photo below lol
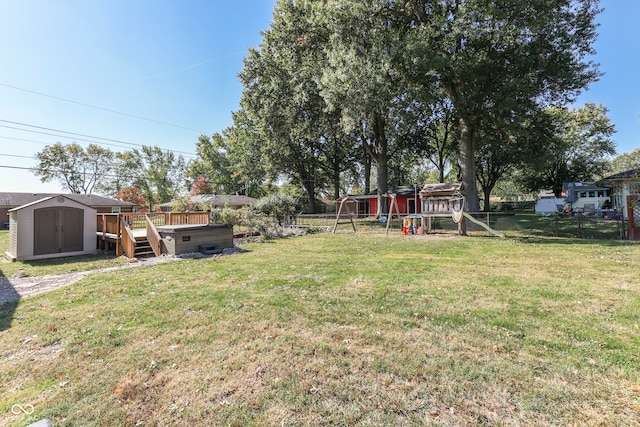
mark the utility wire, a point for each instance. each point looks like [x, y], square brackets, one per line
[49, 143]
[104, 109]
[77, 134]
[16, 155]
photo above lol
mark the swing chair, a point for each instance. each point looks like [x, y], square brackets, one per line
[456, 203]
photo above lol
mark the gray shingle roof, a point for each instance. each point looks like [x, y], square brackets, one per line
[218, 200]
[13, 200]
[633, 173]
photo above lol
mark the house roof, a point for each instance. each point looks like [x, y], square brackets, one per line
[218, 200]
[583, 186]
[401, 190]
[13, 200]
[630, 174]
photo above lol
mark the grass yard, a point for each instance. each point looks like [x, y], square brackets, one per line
[344, 329]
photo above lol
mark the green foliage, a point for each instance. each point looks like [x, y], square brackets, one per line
[626, 162]
[279, 206]
[579, 149]
[180, 203]
[76, 169]
[157, 173]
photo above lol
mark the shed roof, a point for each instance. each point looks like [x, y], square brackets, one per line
[44, 199]
[13, 200]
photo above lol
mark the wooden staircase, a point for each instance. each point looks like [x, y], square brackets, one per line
[143, 248]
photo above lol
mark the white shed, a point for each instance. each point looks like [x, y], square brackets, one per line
[51, 227]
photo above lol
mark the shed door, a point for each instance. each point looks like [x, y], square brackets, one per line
[58, 230]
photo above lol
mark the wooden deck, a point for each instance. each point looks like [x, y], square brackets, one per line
[126, 231]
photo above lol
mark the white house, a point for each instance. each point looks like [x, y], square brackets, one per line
[622, 185]
[587, 196]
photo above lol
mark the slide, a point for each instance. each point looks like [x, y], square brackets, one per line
[483, 225]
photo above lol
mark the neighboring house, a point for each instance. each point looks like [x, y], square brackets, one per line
[587, 196]
[325, 206]
[622, 185]
[101, 204]
[407, 196]
[213, 201]
[52, 227]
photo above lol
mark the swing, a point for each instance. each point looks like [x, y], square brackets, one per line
[457, 214]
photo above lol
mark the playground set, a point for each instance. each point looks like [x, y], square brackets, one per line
[437, 200]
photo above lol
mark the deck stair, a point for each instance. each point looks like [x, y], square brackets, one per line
[135, 234]
[143, 248]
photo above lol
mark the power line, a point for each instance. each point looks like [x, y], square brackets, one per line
[61, 136]
[16, 155]
[74, 136]
[103, 109]
[34, 169]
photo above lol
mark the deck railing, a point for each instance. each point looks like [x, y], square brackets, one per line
[155, 241]
[139, 220]
[128, 240]
[119, 228]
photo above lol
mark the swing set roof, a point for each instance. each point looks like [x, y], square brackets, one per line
[445, 189]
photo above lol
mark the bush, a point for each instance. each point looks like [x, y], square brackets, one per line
[278, 206]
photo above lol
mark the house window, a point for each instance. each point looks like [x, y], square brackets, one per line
[115, 209]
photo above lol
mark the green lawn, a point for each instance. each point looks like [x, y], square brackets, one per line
[344, 329]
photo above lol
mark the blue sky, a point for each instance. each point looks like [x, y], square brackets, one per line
[158, 72]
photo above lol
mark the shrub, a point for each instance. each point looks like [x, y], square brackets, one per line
[278, 206]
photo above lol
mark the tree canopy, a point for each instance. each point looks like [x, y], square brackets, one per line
[77, 169]
[396, 79]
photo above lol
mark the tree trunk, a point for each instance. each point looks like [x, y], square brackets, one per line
[311, 194]
[366, 160]
[336, 183]
[486, 191]
[467, 160]
[381, 162]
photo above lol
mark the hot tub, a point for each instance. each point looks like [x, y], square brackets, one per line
[189, 238]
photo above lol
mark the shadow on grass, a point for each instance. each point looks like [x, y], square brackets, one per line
[573, 241]
[9, 299]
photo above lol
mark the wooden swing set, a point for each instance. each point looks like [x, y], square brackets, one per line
[438, 200]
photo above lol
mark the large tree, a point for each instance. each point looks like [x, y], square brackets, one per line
[159, 174]
[77, 169]
[579, 149]
[302, 140]
[506, 57]
[507, 146]
[362, 78]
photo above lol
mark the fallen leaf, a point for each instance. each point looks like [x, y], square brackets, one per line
[119, 390]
